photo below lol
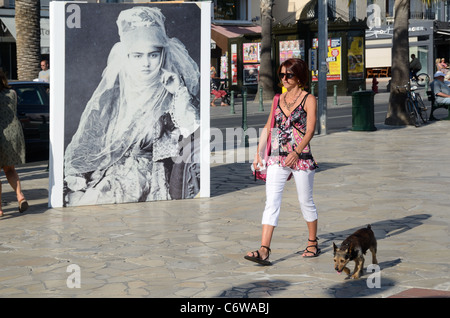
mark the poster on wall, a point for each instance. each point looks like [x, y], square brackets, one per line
[355, 57]
[292, 49]
[251, 74]
[224, 66]
[128, 85]
[234, 73]
[251, 52]
[334, 56]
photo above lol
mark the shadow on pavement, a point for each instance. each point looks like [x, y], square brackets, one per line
[260, 289]
[226, 178]
[382, 229]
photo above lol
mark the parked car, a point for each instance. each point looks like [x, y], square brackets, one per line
[33, 107]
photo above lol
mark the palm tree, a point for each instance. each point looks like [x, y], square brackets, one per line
[265, 71]
[28, 40]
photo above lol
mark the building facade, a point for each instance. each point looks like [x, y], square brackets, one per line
[429, 27]
[429, 32]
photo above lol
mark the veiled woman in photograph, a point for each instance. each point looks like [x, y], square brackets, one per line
[135, 140]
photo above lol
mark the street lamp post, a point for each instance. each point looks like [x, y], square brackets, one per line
[323, 52]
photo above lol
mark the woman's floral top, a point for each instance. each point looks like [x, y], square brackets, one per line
[287, 134]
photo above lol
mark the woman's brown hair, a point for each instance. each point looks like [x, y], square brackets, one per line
[299, 68]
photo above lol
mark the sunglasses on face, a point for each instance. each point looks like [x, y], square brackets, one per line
[288, 75]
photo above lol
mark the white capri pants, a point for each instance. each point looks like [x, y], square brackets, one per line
[275, 181]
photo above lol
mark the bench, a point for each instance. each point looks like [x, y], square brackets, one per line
[435, 105]
[378, 72]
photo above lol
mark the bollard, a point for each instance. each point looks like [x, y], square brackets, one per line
[244, 109]
[244, 116]
[261, 106]
[427, 83]
[335, 95]
[232, 103]
[312, 89]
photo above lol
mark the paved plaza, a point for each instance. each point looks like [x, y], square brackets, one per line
[395, 178]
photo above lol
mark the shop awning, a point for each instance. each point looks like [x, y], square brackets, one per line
[221, 33]
[10, 24]
[378, 57]
[444, 32]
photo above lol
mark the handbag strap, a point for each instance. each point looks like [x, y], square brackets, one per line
[274, 106]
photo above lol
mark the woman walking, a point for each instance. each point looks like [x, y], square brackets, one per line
[295, 120]
[12, 143]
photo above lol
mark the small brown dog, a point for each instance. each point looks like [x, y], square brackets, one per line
[353, 249]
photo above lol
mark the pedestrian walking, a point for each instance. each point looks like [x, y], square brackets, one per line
[12, 142]
[294, 125]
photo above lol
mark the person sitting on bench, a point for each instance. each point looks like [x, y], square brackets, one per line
[440, 89]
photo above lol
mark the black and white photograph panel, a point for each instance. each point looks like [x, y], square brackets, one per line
[132, 111]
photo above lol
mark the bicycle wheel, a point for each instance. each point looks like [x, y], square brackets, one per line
[411, 112]
[421, 108]
[422, 79]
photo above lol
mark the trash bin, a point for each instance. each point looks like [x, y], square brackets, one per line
[363, 116]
